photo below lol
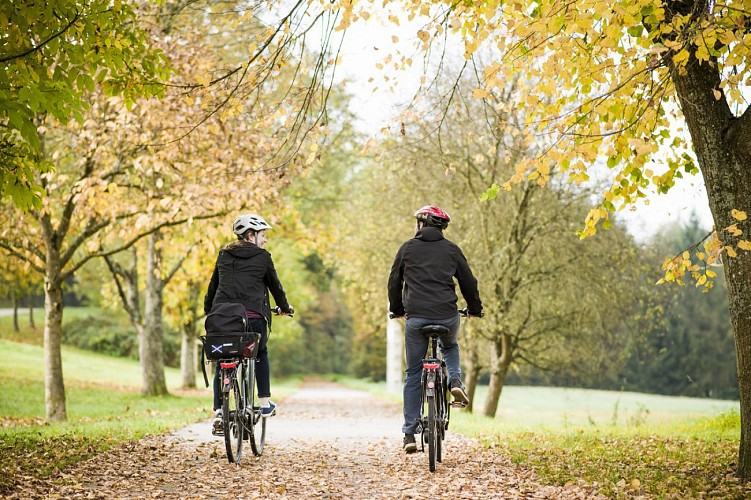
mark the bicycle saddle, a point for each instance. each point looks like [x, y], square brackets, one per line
[434, 330]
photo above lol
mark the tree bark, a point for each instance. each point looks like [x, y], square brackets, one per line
[151, 348]
[31, 310]
[188, 355]
[14, 298]
[472, 372]
[722, 143]
[499, 364]
[54, 388]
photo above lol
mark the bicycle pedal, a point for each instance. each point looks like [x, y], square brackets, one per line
[458, 404]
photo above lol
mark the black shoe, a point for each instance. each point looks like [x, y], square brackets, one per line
[457, 390]
[409, 443]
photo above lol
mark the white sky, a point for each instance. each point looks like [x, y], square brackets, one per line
[378, 105]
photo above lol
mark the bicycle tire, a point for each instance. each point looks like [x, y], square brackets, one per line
[232, 418]
[440, 418]
[432, 433]
[256, 436]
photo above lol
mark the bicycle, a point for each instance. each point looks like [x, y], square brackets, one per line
[435, 410]
[241, 409]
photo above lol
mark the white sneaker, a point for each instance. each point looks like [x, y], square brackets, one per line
[216, 426]
[268, 411]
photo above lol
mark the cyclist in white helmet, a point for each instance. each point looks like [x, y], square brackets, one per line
[244, 273]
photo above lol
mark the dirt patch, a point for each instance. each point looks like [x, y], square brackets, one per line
[326, 442]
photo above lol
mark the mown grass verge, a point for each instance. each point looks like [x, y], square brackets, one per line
[664, 456]
[104, 406]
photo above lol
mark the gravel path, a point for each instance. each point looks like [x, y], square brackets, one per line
[351, 451]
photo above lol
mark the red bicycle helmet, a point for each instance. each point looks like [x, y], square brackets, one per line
[433, 216]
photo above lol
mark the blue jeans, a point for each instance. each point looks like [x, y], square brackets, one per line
[262, 366]
[416, 345]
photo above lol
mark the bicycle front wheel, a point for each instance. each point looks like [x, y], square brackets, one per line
[232, 418]
[256, 424]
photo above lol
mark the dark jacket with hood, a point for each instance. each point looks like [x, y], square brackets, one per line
[245, 273]
[421, 283]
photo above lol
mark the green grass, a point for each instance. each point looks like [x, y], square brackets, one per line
[626, 444]
[104, 406]
[29, 335]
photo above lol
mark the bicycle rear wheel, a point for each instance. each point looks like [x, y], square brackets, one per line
[256, 424]
[433, 439]
[232, 417]
[442, 420]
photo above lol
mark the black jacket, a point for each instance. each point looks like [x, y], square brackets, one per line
[421, 283]
[244, 273]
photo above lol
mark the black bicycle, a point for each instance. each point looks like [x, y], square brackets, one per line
[435, 409]
[241, 408]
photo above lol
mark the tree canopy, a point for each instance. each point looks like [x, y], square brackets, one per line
[51, 55]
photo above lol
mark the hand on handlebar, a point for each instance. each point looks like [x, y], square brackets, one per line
[280, 312]
[464, 312]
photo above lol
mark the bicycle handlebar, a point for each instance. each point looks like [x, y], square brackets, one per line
[278, 311]
[462, 312]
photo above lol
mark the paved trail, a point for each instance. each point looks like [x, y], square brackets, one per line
[326, 442]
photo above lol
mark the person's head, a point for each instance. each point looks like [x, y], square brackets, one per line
[433, 216]
[252, 228]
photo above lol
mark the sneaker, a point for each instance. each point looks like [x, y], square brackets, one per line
[409, 443]
[268, 411]
[457, 390]
[216, 425]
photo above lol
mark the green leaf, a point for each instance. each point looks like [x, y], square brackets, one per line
[491, 193]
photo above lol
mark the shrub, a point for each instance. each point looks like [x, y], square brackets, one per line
[114, 337]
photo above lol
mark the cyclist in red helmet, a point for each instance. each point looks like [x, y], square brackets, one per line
[422, 288]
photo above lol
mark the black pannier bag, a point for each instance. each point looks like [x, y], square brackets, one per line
[226, 317]
[227, 333]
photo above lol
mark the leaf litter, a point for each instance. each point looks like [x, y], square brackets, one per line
[303, 458]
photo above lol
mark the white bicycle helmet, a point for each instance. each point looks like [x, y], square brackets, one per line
[249, 221]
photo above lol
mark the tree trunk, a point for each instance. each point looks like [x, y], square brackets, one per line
[188, 358]
[152, 339]
[31, 310]
[14, 298]
[54, 388]
[722, 143]
[472, 372]
[499, 365]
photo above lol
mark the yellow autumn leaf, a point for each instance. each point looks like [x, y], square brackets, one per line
[701, 280]
[744, 245]
[480, 93]
[733, 229]
[731, 251]
[711, 273]
[739, 215]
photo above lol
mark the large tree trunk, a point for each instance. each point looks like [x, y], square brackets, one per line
[722, 144]
[152, 339]
[54, 388]
[499, 364]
